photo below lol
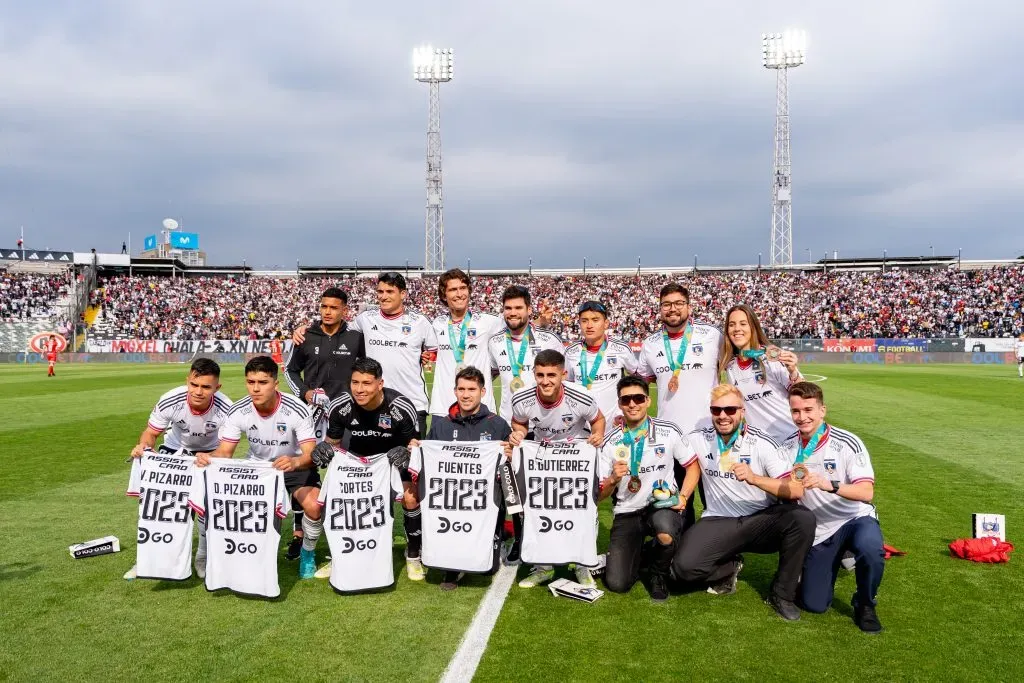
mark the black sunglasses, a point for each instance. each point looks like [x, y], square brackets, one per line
[634, 399]
[728, 410]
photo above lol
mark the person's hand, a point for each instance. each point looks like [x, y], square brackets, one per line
[319, 398]
[285, 463]
[681, 505]
[299, 335]
[414, 443]
[619, 470]
[515, 438]
[138, 450]
[743, 472]
[618, 421]
[427, 360]
[545, 314]
[202, 459]
[595, 440]
[813, 480]
[790, 360]
[507, 448]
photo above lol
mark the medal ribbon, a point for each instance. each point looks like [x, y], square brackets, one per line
[635, 439]
[517, 364]
[677, 362]
[755, 354]
[724, 448]
[807, 451]
[589, 377]
[459, 347]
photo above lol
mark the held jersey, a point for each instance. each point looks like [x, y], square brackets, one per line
[536, 341]
[459, 500]
[618, 360]
[243, 503]
[698, 374]
[396, 343]
[163, 483]
[356, 508]
[558, 484]
[839, 456]
[663, 445]
[182, 427]
[566, 419]
[366, 432]
[765, 389]
[724, 494]
[479, 328]
[273, 435]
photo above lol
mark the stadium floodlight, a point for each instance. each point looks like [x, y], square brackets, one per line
[434, 66]
[782, 52]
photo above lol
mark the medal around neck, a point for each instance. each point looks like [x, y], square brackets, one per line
[799, 473]
[634, 484]
[516, 384]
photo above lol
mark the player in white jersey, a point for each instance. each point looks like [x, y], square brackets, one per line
[637, 467]
[742, 513]
[190, 418]
[762, 372]
[554, 410]
[834, 468]
[513, 349]
[279, 429]
[598, 362]
[682, 358]
[462, 337]
[1019, 349]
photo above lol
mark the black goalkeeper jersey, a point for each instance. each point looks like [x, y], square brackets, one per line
[369, 432]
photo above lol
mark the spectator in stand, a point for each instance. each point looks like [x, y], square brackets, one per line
[25, 295]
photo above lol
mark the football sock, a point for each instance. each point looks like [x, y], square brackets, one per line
[311, 528]
[413, 532]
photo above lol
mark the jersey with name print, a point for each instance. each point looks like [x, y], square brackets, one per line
[618, 360]
[356, 503]
[765, 389]
[459, 500]
[568, 418]
[698, 374]
[272, 435]
[366, 432]
[558, 484]
[184, 428]
[724, 494]
[243, 503]
[162, 483]
[536, 341]
[479, 328]
[839, 456]
[663, 445]
[396, 343]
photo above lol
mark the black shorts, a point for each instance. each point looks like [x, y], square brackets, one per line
[167, 450]
[296, 479]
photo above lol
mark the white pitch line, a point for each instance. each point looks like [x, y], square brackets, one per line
[815, 378]
[467, 657]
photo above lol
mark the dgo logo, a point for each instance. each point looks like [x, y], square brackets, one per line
[37, 343]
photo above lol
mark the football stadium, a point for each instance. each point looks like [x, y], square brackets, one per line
[361, 468]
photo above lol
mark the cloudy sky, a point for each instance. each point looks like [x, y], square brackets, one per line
[283, 131]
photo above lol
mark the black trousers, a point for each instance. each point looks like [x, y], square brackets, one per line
[422, 415]
[629, 530]
[709, 548]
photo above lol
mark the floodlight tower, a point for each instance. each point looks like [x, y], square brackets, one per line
[782, 52]
[433, 66]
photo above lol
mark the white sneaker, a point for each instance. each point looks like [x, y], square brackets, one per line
[539, 575]
[324, 572]
[131, 573]
[584, 577]
[415, 569]
[201, 563]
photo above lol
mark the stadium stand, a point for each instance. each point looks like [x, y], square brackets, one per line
[32, 301]
[942, 302]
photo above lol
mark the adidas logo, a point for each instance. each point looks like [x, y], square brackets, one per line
[343, 348]
[374, 328]
[661, 354]
[354, 422]
[710, 456]
[253, 427]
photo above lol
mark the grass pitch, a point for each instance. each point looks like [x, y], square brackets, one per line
[945, 442]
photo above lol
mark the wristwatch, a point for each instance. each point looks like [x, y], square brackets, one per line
[835, 485]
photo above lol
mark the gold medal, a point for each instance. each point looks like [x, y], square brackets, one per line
[799, 473]
[772, 352]
[622, 454]
[516, 384]
[726, 462]
[673, 384]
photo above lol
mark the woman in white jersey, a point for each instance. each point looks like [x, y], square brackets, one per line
[762, 372]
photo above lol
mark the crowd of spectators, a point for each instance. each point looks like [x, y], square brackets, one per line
[24, 296]
[897, 303]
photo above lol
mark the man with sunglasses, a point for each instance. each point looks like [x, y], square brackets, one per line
[637, 468]
[598, 362]
[682, 358]
[739, 468]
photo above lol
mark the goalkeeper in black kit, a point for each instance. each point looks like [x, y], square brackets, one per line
[367, 420]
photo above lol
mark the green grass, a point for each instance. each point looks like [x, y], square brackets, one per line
[945, 441]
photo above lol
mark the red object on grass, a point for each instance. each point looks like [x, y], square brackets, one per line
[892, 552]
[981, 549]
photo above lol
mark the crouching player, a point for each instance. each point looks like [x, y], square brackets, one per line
[638, 461]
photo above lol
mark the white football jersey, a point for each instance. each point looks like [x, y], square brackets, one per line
[498, 344]
[765, 389]
[724, 495]
[566, 419]
[559, 484]
[697, 377]
[1020, 348]
[243, 503]
[839, 456]
[270, 436]
[183, 428]
[459, 500]
[618, 360]
[663, 445]
[480, 327]
[356, 500]
[396, 343]
[163, 483]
